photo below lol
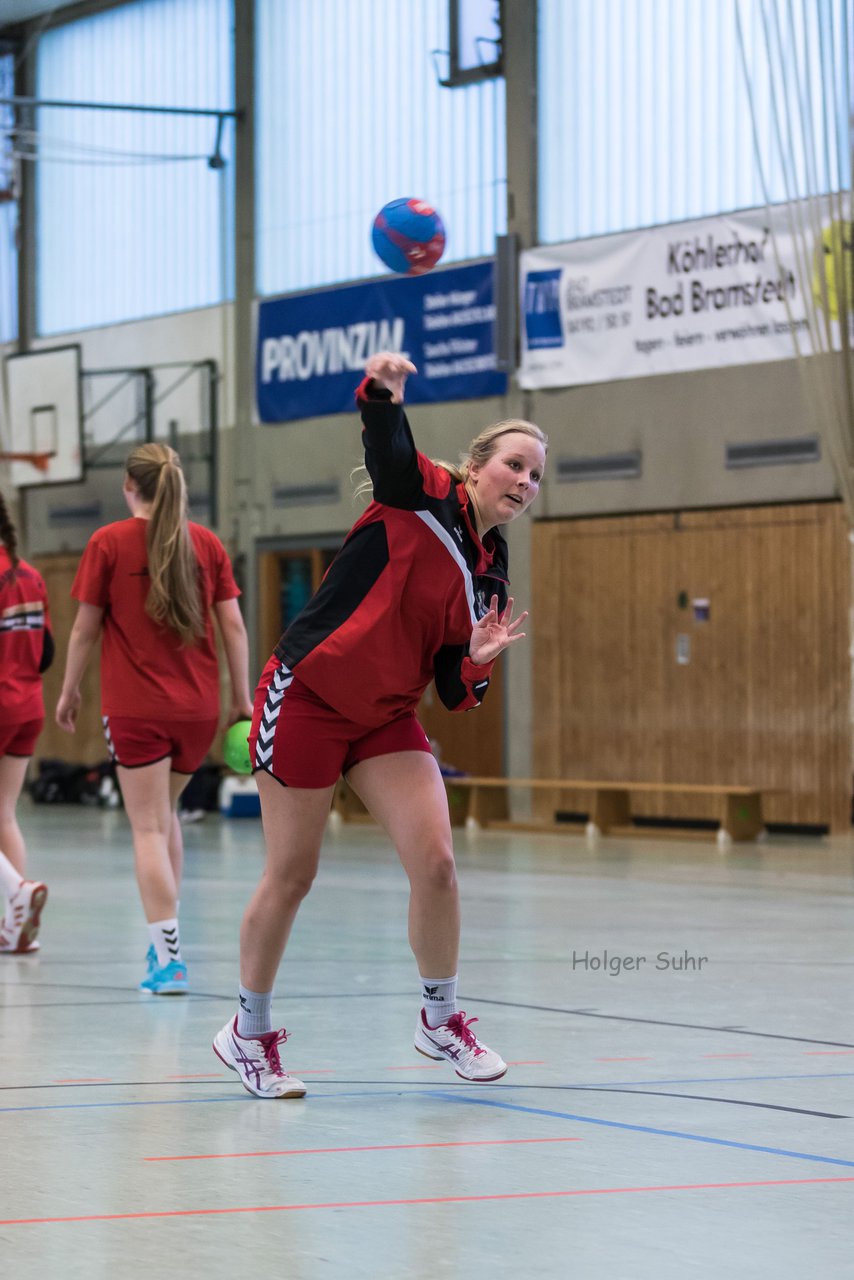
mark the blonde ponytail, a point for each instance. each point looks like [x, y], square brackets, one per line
[174, 599]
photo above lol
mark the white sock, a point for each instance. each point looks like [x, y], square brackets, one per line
[255, 1015]
[165, 940]
[438, 999]
[10, 879]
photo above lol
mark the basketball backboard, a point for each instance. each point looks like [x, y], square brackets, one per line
[44, 416]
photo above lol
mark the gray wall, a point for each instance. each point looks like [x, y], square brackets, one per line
[681, 425]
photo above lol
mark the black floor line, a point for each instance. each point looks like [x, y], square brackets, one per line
[421, 1084]
[411, 993]
[661, 1022]
[472, 1000]
[82, 1004]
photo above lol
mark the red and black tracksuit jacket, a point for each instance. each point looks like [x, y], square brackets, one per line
[397, 605]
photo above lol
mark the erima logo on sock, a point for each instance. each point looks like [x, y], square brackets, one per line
[430, 994]
[244, 1004]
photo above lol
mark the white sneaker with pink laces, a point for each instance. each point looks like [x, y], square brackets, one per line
[457, 1043]
[20, 925]
[256, 1061]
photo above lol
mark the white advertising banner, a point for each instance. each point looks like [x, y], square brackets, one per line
[696, 295]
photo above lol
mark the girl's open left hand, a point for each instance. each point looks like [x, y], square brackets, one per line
[494, 633]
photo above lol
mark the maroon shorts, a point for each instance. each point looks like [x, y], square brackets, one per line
[20, 739]
[134, 742]
[303, 742]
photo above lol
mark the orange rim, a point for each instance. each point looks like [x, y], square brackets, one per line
[41, 461]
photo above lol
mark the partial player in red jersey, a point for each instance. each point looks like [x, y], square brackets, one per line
[150, 587]
[417, 593]
[26, 651]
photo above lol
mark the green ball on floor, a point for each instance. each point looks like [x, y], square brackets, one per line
[235, 747]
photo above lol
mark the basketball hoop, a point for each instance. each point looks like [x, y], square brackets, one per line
[41, 461]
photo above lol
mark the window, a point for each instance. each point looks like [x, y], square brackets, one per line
[132, 220]
[644, 113]
[475, 40]
[351, 114]
[8, 205]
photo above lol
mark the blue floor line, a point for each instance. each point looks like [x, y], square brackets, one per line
[154, 1102]
[640, 1128]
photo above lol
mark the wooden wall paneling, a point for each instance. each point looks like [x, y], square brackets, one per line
[605, 590]
[808, 722]
[834, 578]
[549, 571]
[472, 742]
[764, 699]
[704, 689]
[770, 714]
[783, 685]
[269, 606]
[798, 732]
[767, 681]
[638, 721]
[823, 630]
[588, 586]
[651, 645]
[271, 574]
[594, 655]
[820, 630]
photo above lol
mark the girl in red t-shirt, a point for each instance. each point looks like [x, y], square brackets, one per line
[149, 588]
[26, 650]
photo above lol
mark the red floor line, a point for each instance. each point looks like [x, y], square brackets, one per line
[376, 1204]
[398, 1146]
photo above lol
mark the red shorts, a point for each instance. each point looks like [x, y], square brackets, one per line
[303, 742]
[20, 739]
[134, 742]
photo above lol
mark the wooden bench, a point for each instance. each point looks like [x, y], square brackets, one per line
[739, 809]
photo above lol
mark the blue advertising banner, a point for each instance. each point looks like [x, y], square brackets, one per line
[312, 347]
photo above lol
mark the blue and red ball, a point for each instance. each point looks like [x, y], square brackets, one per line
[408, 236]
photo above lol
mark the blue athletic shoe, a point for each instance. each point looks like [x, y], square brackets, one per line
[171, 980]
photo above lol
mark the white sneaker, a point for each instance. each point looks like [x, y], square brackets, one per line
[454, 1042]
[256, 1061]
[20, 951]
[20, 925]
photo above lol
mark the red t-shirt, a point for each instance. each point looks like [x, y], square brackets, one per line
[23, 619]
[145, 669]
